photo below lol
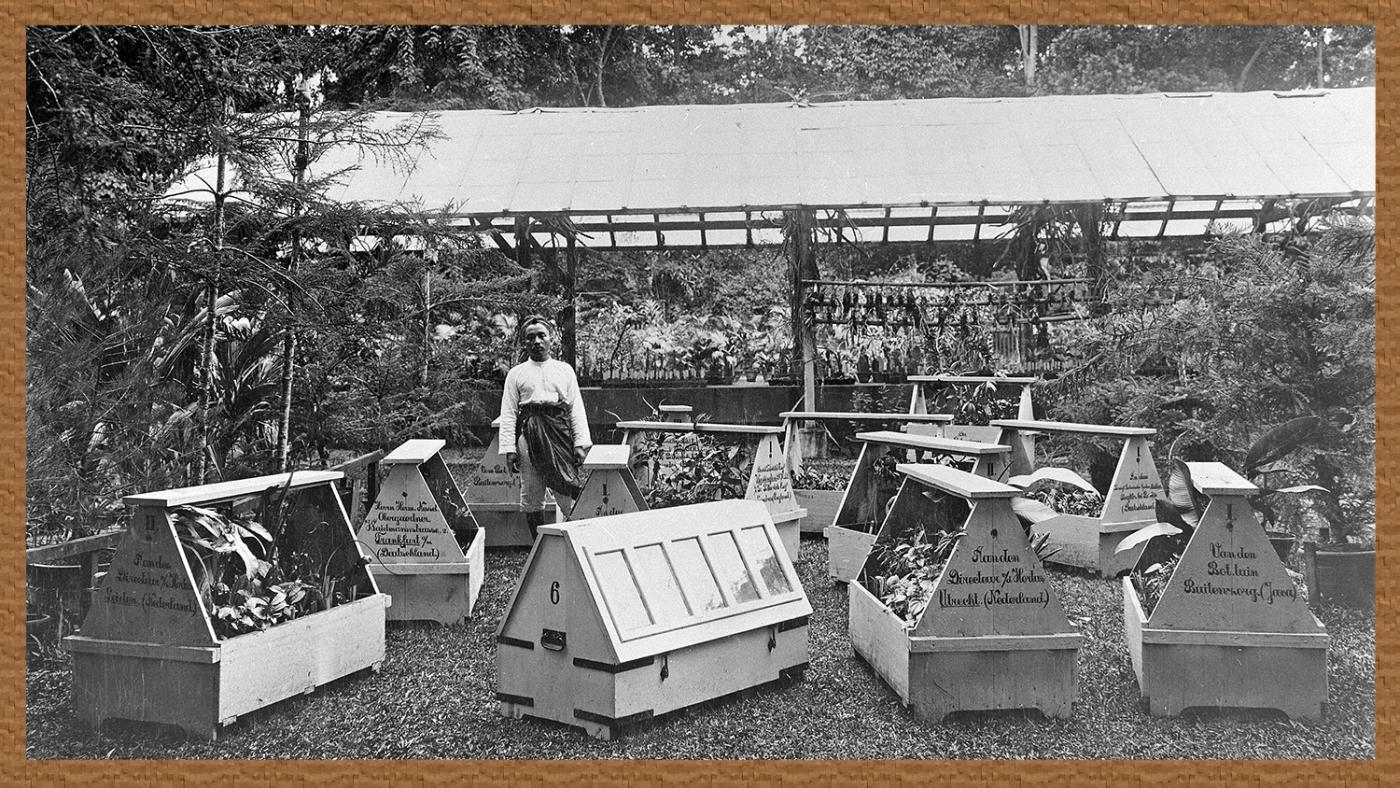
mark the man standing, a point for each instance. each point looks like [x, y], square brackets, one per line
[544, 428]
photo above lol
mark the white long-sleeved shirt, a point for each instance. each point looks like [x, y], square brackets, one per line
[542, 381]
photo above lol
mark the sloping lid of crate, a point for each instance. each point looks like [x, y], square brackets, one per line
[415, 452]
[704, 426]
[1215, 478]
[836, 415]
[671, 578]
[905, 440]
[240, 488]
[607, 456]
[1065, 426]
[674, 408]
[958, 482]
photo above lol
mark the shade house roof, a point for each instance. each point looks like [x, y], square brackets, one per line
[931, 169]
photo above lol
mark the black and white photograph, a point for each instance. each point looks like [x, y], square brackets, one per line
[707, 393]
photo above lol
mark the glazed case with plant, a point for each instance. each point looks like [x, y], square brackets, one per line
[1087, 529]
[1229, 628]
[619, 619]
[816, 493]
[426, 549]
[953, 608]
[874, 482]
[973, 401]
[225, 598]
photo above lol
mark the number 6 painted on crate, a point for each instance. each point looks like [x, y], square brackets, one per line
[554, 593]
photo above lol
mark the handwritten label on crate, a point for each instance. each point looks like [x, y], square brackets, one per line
[492, 481]
[769, 481]
[993, 584]
[1136, 485]
[606, 493]
[1230, 578]
[148, 592]
[406, 524]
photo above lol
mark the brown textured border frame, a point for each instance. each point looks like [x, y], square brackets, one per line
[17, 15]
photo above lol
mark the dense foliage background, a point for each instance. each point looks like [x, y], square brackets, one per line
[169, 344]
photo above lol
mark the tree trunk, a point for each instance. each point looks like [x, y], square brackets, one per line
[427, 325]
[206, 354]
[602, 59]
[289, 342]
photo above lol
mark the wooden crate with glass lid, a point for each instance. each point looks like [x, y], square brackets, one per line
[619, 619]
[426, 550]
[953, 608]
[225, 598]
[1229, 629]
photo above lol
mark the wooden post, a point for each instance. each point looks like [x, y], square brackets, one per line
[804, 266]
[568, 320]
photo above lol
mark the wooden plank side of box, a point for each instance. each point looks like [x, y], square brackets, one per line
[130, 687]
[261, 668]
[942, 682]
[710, 670]
[1133, 620]
[880, 638]
[846, 552]
[821, 506]
[1077, 538]
[442, 595]
[1288, 678]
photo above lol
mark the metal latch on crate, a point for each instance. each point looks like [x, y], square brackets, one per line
[553, 640]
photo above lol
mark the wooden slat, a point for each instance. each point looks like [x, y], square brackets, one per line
[955, 481]
[905, 440]
[1065, 426]
[414, 452]
[682, 426]
[921, 418]
[967, 379]
[1234, 639]
[54, 553]
[922, 645]
[223, 491]
[675, 408]
[1213, 478]
[605, 456]
[130, 648]
[351, 467]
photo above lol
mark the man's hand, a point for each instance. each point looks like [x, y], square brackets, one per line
[512, 462]
[580, 453]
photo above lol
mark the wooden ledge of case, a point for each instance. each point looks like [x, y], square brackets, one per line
[913, 418]
[904, 440]
[704, 426]
[968, 379]
[419, 568]
[955, 481]
[1215, 478]
[608, 456]
[226, 491]
[1066, 640]
[206, 655]
[1066, 426]
[415, 452]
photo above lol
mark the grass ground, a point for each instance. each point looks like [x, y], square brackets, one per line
[435, 699]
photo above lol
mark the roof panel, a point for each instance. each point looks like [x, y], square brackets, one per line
[948, 150]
